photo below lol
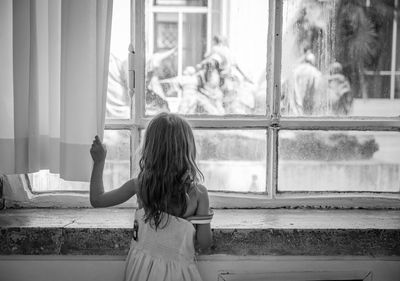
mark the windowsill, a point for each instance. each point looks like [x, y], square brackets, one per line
[236, 232]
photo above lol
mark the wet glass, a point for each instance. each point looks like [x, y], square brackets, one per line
[162, 63]
[232, 160]
[337, 58]
[201, 63]
[377, 87]
[117, 166]
[338, 161]
[116, 169]
[118, 104]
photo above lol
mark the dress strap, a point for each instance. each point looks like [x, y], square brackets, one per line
[201, 219]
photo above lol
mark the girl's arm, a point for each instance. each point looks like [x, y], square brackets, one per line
[203, 231]
[99, 198]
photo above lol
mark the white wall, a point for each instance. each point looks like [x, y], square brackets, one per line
[109, 268]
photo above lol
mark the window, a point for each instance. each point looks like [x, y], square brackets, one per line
[288, 99]
[383, 71]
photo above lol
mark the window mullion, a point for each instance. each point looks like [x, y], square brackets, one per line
[372, 124]
[135, 143]
[274, 54]
[272, 162]
[118, 124]
[394, 50]
[183, 9]
[220, 122]
[139, 41]
[138, 107]
[277, 13]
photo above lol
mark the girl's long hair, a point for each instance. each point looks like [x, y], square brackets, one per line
[168, 170]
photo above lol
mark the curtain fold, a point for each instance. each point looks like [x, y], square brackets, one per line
[53, 84]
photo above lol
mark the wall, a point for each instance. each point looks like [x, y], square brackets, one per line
[109, 268]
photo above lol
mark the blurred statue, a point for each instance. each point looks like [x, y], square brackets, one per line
[195, 101]
[156, 70]
[210, 83]
[189, 83]
[340, 97]
[335, 96]
[217, 87]
[237, 88]
[221, 52]
[302, 89]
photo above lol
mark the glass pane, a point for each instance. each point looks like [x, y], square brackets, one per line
[337, 57]
[232, 160]
[194, 28]
[116, 170]
[209, 65]
[397, 89]
[180, 2]
[118, 99]
[162, 65]
[378, 86]
[398, 37]
[339, 161]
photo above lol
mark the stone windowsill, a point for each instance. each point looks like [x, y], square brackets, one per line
[236, 232]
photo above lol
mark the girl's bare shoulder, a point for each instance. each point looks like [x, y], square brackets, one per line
[202, 200]
[201, 192]
[198, 192]
[195, 195]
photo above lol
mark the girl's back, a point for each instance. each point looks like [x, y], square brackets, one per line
[163, 254]
[166, 253]
[168, 194]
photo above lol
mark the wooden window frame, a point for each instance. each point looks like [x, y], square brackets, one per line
[272, 122]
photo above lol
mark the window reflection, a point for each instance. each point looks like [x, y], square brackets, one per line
[202, 62]
[339, 57]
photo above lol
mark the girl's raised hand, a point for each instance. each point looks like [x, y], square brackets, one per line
[98, 151]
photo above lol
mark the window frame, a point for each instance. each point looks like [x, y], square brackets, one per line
[271, 122]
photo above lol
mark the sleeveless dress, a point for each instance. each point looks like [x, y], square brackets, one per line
[165, 254]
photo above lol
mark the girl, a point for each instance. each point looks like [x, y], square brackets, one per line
[170, 201]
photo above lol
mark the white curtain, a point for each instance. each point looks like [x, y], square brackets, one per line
[53, 84]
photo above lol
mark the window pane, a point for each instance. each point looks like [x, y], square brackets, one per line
[377, 86]
[116, 170]
[118, 99]
[232, 160]
[209, 65]
[194, 27]
[337, 57]
[339, 161]
[162, 65]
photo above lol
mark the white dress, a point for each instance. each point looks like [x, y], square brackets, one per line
[165, 254]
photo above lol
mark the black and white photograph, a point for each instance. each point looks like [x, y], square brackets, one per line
[204, 140]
